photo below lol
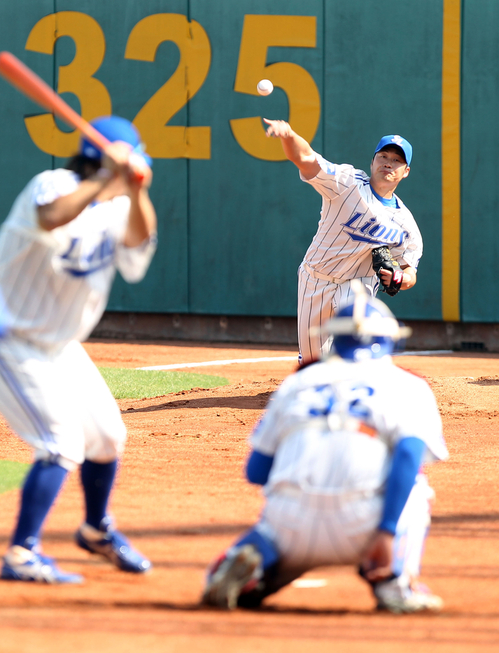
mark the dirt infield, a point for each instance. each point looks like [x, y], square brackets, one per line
[181, 497]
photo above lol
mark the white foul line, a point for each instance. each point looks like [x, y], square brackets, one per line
[177, 366]
[435, 352]
[214, 363]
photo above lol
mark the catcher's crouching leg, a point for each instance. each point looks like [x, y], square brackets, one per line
[402, 592]
[240, 576]
[274, 578]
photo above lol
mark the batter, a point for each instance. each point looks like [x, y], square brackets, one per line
[66, 235]
[359, 213]
[339, 452]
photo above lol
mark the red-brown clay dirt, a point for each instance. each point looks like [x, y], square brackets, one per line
[181, 498]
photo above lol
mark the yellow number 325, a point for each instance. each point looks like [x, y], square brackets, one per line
[162, 140]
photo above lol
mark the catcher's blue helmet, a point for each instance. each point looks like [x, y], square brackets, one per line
[114, 128]
[365, 328]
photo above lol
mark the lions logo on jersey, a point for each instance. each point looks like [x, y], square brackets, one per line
[371, 231]
[83, 259]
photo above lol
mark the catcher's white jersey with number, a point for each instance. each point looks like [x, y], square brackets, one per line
[55, 284]
[331, 429]
[333, 425]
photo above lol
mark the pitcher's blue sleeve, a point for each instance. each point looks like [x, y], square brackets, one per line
[258, 467]
[406, 461]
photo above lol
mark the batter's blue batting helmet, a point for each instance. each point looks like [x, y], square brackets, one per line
[114, 128]
[365, 328]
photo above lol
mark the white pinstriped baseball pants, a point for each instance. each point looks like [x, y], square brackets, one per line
[59, 404]
[314, 531]
[318, 299]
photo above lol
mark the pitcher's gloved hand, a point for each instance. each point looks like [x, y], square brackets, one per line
[382, 260]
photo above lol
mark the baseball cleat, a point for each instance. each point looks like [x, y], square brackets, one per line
[35, 568]
[237, 572]
[399, 598]
[113, 545]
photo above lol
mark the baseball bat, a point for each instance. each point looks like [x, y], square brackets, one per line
[33, 86]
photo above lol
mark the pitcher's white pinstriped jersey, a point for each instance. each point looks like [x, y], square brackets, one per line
[332, 427]
[55, 284]
[354, 221]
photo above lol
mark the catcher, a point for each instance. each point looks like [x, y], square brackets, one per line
[339, 452]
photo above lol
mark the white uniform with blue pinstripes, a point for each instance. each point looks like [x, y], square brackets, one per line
[331, 429]
[55, 287]
[353, 222]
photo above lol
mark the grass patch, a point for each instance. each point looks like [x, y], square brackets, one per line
[139, 384]
[11, 474]
[124, 384]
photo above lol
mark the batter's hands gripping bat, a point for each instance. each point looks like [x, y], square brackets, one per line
[28, 82]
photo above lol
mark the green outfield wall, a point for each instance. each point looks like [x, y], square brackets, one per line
[234, 218]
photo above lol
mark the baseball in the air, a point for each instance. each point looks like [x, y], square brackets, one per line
[265, 87]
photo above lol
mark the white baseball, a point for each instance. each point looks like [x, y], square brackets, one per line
[265, 87]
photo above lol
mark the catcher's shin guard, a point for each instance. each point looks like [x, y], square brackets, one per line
[232, 575]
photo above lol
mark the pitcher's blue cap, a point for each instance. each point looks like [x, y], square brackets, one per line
[395, 139]
[114, 128]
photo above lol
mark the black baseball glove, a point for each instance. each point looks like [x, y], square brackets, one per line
[382, 259]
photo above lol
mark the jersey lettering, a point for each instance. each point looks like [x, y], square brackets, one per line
[366, 226]
[322, 400]
[357, 407]
[352, 220]
[80, 259]
[371, 232]
[377, 230]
